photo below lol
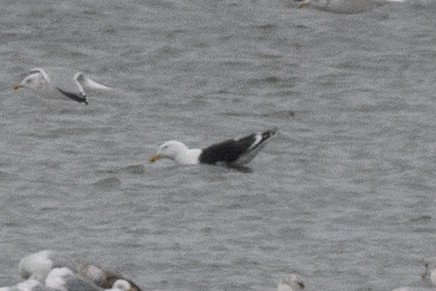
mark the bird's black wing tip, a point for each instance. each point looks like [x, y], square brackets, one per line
[270, 132]
[81, 98]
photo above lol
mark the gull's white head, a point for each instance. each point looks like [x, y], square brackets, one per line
[291, 282]
[172, 150]
[34, 81]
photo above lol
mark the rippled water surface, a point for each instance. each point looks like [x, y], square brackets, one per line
[344, 196]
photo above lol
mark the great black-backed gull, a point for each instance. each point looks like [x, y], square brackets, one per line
[55, 82]
[291, 282]
[232, 152]
[344, 6]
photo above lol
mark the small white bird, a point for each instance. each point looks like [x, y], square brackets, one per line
[56, 82]
[232, 152]
[430, 272]
[38, 265]
[429, 276]
[344, 6]
[291, 282]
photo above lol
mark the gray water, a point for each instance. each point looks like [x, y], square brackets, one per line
[344, 196]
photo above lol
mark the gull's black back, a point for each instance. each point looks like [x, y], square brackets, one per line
[231, 150]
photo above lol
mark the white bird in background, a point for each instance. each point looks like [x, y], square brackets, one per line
[430, 273]
[37, 265]
[291, 282]
[344, 6]
[429, 277]
[56, 82]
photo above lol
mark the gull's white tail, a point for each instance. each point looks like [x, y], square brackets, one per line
[88, 83]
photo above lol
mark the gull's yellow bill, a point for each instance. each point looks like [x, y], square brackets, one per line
[153, 158]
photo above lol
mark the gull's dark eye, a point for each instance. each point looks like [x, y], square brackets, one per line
[301, 284]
